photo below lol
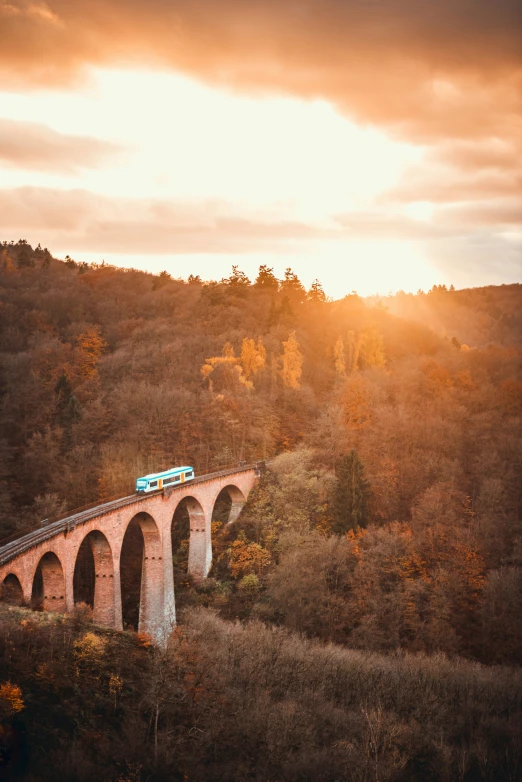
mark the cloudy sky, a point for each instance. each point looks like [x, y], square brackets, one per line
[374, 144]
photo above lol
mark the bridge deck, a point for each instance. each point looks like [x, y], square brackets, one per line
[26, 541]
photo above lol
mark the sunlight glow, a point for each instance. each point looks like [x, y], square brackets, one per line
[266, 159]
[368, 267]
[184, 139]
[421, 211]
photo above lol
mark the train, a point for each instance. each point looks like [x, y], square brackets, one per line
[161, 480]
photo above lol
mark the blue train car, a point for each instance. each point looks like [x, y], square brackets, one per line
[160, 480]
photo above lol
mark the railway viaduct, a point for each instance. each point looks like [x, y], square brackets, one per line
[51, 551]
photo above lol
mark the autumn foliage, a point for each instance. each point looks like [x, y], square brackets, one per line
[362, 613]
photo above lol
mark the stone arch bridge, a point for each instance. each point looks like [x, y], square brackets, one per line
[50, 553]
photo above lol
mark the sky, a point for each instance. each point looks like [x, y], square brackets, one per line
[373, 144]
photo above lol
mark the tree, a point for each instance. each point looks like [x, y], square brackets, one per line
[350, 496]
[247, 558]
[67, 407]
[273, 314]
[285, 313]
[340, 363]
[309, 590]
[161, 280]
[354, 346]
[371, 352]
[226, 369]
[91, 345]
[266, 280]
[48, 506]
[292, 362]
[316, 294]
[11, 700]
[238, 282]
[293, 287]
[355, 404]
[253, 357]
[24, 258]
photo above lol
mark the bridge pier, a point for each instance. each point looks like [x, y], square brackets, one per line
[27, 590]
[69, 586]
[200, 546]
[53, 597]
[151, 593]
[118, 612]
[235, 510]
[104, 602]
[169, 602]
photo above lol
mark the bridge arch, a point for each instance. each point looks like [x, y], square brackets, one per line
[228, 504]
[142, 574]
[191, 515]
[93, 581]
[11, 591]
[48, 590]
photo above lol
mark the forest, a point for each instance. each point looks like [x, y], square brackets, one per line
[361, 620]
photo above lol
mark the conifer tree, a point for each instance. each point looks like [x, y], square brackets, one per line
[273, 315]
[292, 287]
[161, 280]
[316, 294]
[285, 312]
[24, 258]
[350, 496]
[238, 282]
[266, 280]
[67, 406]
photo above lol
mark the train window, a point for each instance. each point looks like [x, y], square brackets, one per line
[152, 484]
[177, 478]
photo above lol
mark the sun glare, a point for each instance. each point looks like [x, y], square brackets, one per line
[266, 159]
[367, 267]
[422, 211]
[184, 139]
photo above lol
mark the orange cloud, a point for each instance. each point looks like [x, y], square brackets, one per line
[493, 155]
[450, 186]
[89, 221]
[36, 147]
[427, 69]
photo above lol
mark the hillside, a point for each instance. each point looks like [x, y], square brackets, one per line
[227, 702]
[385, 536]
[476, 316]
[102, 368]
